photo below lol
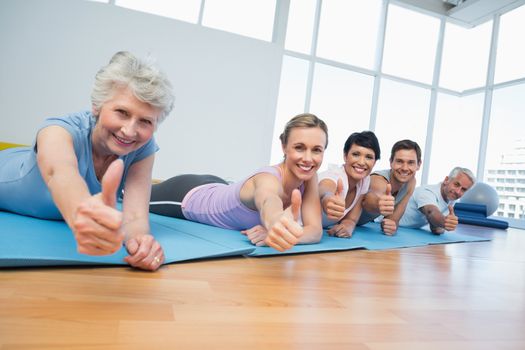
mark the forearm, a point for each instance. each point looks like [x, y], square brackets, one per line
[270, 211]
[371, 203]
[312, 234]
[68, 190]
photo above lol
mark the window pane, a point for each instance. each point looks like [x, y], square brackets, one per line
[300, 25]
[253, 18]
[510, 60]
[410, 44]
[184, 10]
[402, 113]
[465, 56]
[292, 93]
[456, 134]
[348, 31]
[506, 147]
[342, 99]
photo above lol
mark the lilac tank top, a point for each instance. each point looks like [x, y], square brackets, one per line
[220, 205]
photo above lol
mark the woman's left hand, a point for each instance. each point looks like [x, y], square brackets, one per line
[256, 235]
[144, 252]
[344, 229]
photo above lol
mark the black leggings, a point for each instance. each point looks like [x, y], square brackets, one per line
[166, 197]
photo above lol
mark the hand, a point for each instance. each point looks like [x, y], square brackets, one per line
[387, 202]
[334, 204]
[285, 232]
[96, 224]
[388, 226]
[256, 235]
[144, 252]
[451, 220]
[344, 229]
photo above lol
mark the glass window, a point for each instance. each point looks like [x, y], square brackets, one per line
[510, 61]
[292, 92]
[185, 10]
[300, 25]
[510, 215]
[457, 122]
[253, 18]
[410, 44]
[348, 31]
[342, 99]
[465, 56]
[402, 113]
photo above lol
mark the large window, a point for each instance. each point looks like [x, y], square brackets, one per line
[400, 116]
[506, 146]
[292, 92]
[342, 99]
[464, 66]
[456, 134]
[410, 45]
[347, 35]
[300, 25]
[510, 62]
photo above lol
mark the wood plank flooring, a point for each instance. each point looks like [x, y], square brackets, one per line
[456, 296]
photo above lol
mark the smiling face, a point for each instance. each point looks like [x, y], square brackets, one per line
[454, 188]
[304, 151]
[359, 162]
[404, 165]
[124, 124]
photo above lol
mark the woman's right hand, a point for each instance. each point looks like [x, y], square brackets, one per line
[334, 204]
[97, 223]
[285, 232]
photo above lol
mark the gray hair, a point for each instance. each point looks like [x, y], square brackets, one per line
[142, 77]
[457, 170]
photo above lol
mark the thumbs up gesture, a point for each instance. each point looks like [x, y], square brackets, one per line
[451, 220]
[334, 204]
[286, 231]
[386, 202]
[96, 224]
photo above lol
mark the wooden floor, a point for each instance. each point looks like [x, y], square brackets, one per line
[456, 296]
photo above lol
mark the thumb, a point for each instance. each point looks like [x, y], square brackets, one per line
[388, 189]
[451, 210]
[339, 190]
[296, 204]
[111, 182]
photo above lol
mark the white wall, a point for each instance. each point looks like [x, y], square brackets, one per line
[226, 85]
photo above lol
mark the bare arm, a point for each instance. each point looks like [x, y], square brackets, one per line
[345, 227]
[438, 222]
[379, 199]
[93, 219]
[311, 213]
[283, 230]
[332, 198]
[145, 252]
[400, 207]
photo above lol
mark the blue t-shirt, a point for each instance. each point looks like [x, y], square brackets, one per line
[22, 189]
[423, 195]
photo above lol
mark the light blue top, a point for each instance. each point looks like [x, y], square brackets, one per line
[22, 189]
[423, 195]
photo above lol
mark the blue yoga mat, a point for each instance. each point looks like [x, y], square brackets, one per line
[26, 241]
[476, 214]
[370, 237]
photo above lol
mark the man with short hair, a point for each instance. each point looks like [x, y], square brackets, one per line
[390, 189]
[433, 204]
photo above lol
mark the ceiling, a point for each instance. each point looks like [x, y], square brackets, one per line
[467, 13]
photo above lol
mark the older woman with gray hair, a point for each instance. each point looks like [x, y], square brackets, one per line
[81, 162]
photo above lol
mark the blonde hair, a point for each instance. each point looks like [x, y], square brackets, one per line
[304, 120]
